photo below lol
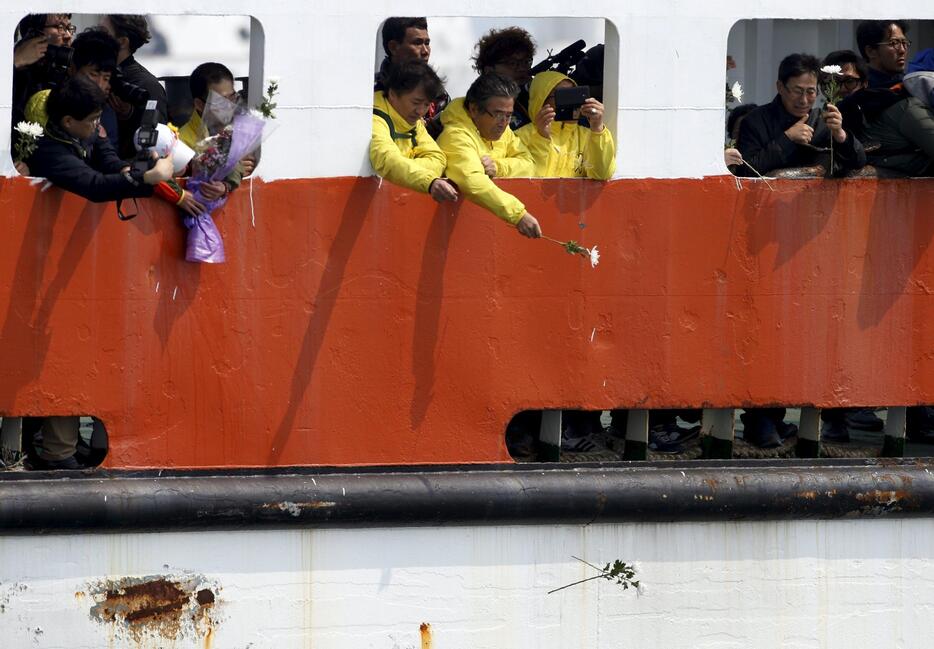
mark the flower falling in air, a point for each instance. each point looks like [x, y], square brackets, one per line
[594, 257]
[737, 91]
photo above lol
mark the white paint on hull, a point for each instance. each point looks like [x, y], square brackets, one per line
[841, 584]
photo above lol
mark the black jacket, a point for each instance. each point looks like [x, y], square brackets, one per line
[91, 170]
[764, 145]
[136, 74]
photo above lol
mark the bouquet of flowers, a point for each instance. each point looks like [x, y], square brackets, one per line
[27, 139]
[234, 132]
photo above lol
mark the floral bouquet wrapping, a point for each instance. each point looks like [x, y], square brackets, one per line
[234, 133]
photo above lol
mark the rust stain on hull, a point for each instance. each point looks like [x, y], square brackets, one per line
[425, 630]
[155, 607]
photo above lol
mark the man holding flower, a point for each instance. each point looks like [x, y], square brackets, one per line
[791, 132]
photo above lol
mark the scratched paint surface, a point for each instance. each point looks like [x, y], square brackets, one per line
[358, 323]
[814, 584]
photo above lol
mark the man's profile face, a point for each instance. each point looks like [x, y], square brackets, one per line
[412, 105]
[415, 45]
[798, 93]
[492, 120]
[82, 129]
[891, 55]
[98, 76]
[57, 29]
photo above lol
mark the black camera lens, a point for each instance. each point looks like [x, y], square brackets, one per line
[128, 92]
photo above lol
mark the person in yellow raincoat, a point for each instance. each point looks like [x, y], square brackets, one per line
[566, 149]
[401, 151]
[480, 146]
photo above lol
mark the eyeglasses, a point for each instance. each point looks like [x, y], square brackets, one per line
[517, 63]
[799, 92]
[843, 80]
[499, 115]
[896, 43]
[63, 28]
[850, 83]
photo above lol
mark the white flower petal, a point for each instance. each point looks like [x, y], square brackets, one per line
[831, 69]
[737, 92]
[594, 256]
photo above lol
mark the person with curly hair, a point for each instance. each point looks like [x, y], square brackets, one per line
[508, 52]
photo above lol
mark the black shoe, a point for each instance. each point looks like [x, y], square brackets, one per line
[762, 433]
[68, 464]
[670, 438]
[835, 431]
[863, 419]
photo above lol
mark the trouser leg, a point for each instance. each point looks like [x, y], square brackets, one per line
[59, 438]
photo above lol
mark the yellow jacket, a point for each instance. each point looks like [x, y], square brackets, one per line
[464, 147]
[574, 151]
[413, 164]
[35, 108]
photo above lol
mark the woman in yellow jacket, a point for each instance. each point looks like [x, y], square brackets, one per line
[566, 149]
[401, 151]
[480, 146]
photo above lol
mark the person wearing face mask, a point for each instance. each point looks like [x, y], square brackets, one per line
[480, 146]
[401, 150]
[791, 132]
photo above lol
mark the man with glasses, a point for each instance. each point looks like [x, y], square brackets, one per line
[791, 132]
[508, 52]
[884, 45]
[31, 72]
[480, 146]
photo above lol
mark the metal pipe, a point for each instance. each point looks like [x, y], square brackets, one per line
[466, 495]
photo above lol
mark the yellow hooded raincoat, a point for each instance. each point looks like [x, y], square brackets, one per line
[413, 164]
[574, 151]
[464, 147]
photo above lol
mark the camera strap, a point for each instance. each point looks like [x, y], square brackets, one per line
[407, 135]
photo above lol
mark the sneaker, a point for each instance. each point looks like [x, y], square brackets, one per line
[762, 433]
[586, 444]
[863, 419]
[670, 438]
[835, 431]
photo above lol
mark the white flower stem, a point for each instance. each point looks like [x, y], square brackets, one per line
[761, 177]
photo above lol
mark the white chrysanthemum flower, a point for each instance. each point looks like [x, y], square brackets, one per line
[594, 257]
[831, 69]
[32, 129]
[737, 91]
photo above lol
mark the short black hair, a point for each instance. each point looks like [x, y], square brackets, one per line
[409, 75]
[95, 47]
[394, 28]
[76, 97]
[134, 27]
[33, 23]
[207, 74]
[487, 86]
[842, 57]
[794, 65]
[501, 44]
[871, 32]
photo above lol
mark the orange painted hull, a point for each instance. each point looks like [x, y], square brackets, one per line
[358, 323]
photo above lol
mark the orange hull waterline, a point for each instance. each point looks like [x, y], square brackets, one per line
[356, 323]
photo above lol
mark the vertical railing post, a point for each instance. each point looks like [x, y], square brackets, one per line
[893, 444]
[637, 435]
[808, 433]
[550, 436]
[717, 433]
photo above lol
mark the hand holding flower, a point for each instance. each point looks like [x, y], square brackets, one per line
[528, 226]
[213, 189]
[834, 120]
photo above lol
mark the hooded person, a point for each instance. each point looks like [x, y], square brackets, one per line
[565, 149]
[480, 146]
[401, 150]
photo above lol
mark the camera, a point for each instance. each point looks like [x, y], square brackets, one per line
[56, 61]
[568, 102]
[128, 92]
[146, 138]
[563, 60]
